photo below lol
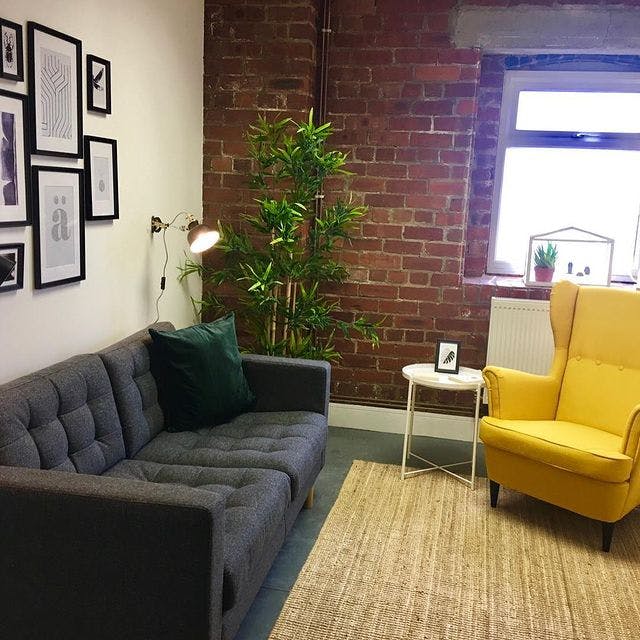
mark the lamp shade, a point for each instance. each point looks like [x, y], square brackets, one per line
[6, 267]
[200, 237]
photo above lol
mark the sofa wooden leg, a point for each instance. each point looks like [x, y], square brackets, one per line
[607, 534]
[494, 489]
[308, 503]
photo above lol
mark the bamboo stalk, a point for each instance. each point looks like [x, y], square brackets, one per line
[274, 316]
[288, 304]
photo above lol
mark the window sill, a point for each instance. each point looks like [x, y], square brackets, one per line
[516, 282]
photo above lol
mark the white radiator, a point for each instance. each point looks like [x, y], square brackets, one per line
[520, 335]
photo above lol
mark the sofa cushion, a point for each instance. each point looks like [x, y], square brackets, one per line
[289, 441]
[63, 417]
[255, 505]
[578, 448]
[134, 387]
[200, 376]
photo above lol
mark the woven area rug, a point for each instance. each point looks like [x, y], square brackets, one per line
[426, 559]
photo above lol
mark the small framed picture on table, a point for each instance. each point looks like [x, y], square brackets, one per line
[447, 356]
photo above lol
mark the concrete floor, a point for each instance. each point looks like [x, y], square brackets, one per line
[344, 446]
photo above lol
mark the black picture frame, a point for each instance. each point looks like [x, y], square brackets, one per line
[51, 188]
[12, 51]
[56, 125]
[15, 281]
[98, 84]
[16, 211]
[447, 358]
[97, 207]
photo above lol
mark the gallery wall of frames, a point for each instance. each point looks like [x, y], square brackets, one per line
[56, 201]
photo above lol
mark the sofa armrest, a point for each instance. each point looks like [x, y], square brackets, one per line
[288, 384]
[93, 557]
[521, 396]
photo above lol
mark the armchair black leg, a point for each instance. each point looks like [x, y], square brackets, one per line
[607, 534]
[494, 489]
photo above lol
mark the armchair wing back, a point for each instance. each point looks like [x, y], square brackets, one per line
[571, 437]
[601, 382]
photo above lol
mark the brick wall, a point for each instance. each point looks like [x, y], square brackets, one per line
[403, 103]
[259, 57]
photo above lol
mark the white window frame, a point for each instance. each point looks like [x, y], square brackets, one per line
[509, 136]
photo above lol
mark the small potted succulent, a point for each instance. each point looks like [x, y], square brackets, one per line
[544, 260]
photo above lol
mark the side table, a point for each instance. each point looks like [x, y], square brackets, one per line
[424, 375]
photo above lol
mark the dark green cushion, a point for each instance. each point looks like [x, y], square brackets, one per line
[200, 375]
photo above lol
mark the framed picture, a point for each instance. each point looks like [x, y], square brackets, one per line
[14, 161]
[101, 178]
[447, 356]
[15, 280]
[98, 84]
[11, 36]
[55, 98]
[58, 226]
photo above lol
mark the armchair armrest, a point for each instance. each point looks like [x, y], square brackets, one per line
[93, 557]
[631, 437]
[288, 384]
[522, 396]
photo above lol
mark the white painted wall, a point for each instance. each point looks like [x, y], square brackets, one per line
[155, 48]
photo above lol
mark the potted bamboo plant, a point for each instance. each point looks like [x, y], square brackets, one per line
[544, 260]
[278, 266]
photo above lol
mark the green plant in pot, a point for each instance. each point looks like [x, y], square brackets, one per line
[281, 257]
[544, 260]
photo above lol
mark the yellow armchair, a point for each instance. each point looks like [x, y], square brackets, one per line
[572, 437]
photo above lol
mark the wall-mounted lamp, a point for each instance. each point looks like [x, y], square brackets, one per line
[199, 236]
[6, 268]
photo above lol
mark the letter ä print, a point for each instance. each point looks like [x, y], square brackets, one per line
[60, 227]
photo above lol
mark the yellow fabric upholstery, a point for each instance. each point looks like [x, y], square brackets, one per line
[580, 424]
[574, 447]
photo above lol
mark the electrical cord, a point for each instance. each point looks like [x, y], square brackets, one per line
[163, 279]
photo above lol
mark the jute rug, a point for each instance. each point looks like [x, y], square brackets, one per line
[426, 559]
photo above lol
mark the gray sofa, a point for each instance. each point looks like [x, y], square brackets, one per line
[112, 527]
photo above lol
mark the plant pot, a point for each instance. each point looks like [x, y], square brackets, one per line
[544, 274]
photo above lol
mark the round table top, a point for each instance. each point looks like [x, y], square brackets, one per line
[424, 375]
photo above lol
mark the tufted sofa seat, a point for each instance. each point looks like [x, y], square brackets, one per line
[112, 527]
[290, 441]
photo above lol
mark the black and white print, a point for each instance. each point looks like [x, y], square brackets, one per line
[56, 101]
[58, 226]
[98, 84]
[101, 178]
[11, 41]
[447, 356]
[14, 210]
[15, 253]
[56, 83]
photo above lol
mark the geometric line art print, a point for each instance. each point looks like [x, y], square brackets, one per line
[55, 97]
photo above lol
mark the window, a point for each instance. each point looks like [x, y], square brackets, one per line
[568, 155]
